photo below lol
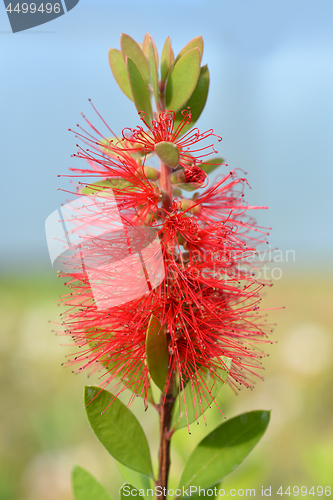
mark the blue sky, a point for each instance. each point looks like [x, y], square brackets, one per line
[271, 66]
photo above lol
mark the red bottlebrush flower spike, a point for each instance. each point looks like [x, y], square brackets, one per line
[143, 256]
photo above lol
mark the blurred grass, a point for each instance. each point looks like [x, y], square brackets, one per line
[43, 425]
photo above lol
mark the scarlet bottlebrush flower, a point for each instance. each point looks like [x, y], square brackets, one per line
[185, 264]
[167, 141]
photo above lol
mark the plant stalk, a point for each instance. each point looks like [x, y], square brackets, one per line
[167, 397]
[166, 186]
[165, 411]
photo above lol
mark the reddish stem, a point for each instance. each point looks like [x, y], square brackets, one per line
[167, 397]
[166, 186]
[165, 411]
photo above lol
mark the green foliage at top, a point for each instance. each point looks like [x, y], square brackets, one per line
[167, 59]
[129, 48]
[178, 83]
[140, 91]
[197, 100]
[118, 68]
[196, 42]
[153, 67]
[182, 80]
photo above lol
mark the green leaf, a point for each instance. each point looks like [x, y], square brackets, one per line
[148, 39]
[209, 386]
[153, 68]
[196, 102]
[86, 487]
[128, 491]
[157, 352]
[118, 430]
[139, 89]
[224, 449]
[102, 187]
[209, 165]
[145, 46]
[167, 59]
[138, 480]
[168, 153]
[195, 42]
[118, 68]
[182, 80]
[129, 48]
[155, 51]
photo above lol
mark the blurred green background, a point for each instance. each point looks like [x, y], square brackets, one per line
[43, 425]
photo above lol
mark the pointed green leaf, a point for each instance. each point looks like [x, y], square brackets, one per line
[138, 480]
[128, 490]
[129, 48]
[195, 42]
[182, 80]
[118, 68]
[148, 39]
[118, 430]
[86, 487]
[167, 59]
[209, 165]
[157, 352]
[145, 46]
[224, 449]
[140, 91]
[196, 102]
[153, 65]
[210, 387]
[155, 51]
[168, 153]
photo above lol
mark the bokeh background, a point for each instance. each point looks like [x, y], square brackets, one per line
[271, 66]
